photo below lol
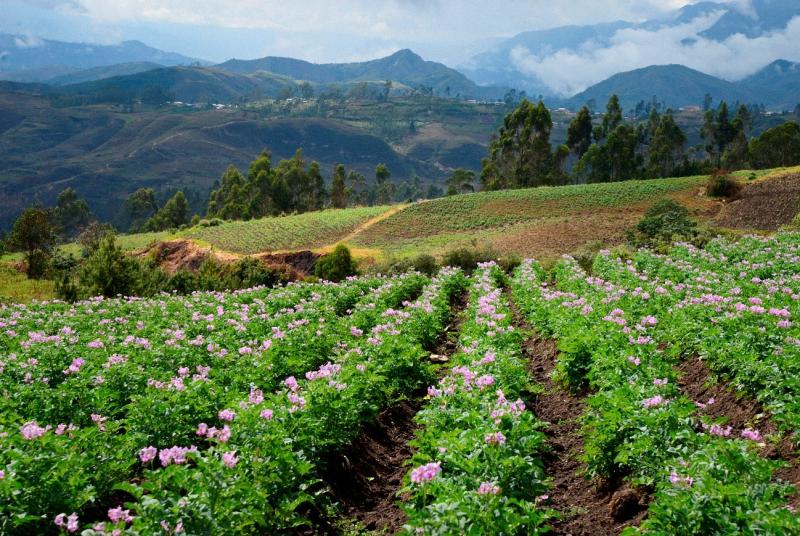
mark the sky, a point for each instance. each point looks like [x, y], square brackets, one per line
[449, 31]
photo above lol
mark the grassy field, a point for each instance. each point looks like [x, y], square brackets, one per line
[541, 221]
[16, 288]
[303, 231]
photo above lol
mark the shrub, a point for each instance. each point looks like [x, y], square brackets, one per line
[336, 266]
[663, 223]
[108, 271]
[721, 184]
[585, 254]
[468, 259]
[425, 264]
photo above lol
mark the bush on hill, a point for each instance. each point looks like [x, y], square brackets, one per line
[336, 266]
[663, 223]
[721, 184]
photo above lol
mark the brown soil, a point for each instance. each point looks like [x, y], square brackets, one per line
[366, 477]
[765, 205]
[739, 412]
[177, 255]
[300, 261]
[181, 254]
[587, 507]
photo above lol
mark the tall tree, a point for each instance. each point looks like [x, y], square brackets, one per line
[139, 207]
[666, 148]
[229, 201]
[579, 135]
[521, 155]
[34, 235]
[718, 131]
[777, 147]
[259, 184]
[314, 194]
[71, 213]
[461, 181]
[172, 215]
[612, 118]
[358, 189]
[384, 188]
[339, 193]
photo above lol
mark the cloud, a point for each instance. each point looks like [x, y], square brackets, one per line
[27, 41]
[568, 72]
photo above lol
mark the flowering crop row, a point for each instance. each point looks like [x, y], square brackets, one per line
[89, 386]
[477, 467]
[734, 304]
[278, 440]
[614, 338]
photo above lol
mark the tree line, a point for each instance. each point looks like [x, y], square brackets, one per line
[612, 149]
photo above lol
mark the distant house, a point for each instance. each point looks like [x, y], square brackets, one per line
[692, 108]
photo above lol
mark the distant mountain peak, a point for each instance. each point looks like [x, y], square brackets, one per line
[406, 54]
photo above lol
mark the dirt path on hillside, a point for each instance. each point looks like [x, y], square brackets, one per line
[740, 412]
[366, 477]
[587, 507]
[372, 221]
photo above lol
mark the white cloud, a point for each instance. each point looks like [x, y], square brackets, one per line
[568, 72]
[27, 41]
[433, 20]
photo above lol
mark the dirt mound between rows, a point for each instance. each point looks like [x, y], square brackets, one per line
[764, 205]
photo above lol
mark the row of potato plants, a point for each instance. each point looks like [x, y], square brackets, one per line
[639, 426]
[737, 309]
[94, 389]
[477, 468]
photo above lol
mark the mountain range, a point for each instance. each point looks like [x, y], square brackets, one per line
[776, 86]
[502, 65]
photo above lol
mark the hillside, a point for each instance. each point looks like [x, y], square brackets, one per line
[753, 19]
[246, 80]
[404, 66]
[674, 84]
[540, 222]
[106, 153]
[31, 59]
[777, 83]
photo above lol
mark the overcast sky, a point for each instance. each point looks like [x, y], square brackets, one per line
[317, 30]
[450, 31]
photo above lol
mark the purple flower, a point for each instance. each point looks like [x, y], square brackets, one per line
[488, 488]
[229, 460]
[496, 438]
[256, 396]
[266, 414]
[118, 514]
[75, 366]
[202, 429]
[227, 415]
[148, 454]
[67, 522]
[291, 383]
[30, 430]
[484, 381]
[752, 435]
[426, 473]
[653, 402]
